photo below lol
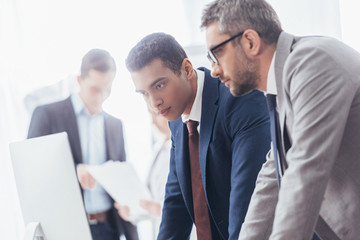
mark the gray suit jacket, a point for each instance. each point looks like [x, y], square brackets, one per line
[60, 117]
[318, 84]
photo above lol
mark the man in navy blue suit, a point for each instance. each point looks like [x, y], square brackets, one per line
[232, 142]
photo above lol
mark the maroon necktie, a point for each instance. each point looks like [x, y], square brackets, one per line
[202, 220]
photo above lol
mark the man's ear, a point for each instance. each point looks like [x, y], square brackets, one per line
[251, 42]
[187, 66]
[79, 79]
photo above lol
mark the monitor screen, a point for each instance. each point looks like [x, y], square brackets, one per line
[48, 188]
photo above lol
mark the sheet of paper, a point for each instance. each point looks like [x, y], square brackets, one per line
[123, 184]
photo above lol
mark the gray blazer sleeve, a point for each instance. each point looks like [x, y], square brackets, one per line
[320, 94]
[318, 91]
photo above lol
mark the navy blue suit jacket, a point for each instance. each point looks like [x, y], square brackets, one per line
[234, 140]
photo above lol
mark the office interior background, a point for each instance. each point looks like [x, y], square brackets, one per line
[42, 43]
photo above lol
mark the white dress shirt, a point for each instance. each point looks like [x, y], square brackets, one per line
[93, 149]
[271, 82]
[195, 112]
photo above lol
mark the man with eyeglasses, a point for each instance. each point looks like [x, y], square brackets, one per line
[219, 142]
[309, 188]
[211, 52]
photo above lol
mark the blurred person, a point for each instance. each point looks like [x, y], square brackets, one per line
[311, 179]
[158, 172]
[159, 168]
[94, 137]
[211, 176]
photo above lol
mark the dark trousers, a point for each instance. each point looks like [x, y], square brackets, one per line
[103, 231]
[113, 228]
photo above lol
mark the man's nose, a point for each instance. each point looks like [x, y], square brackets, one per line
[155, 101]
[216, 70]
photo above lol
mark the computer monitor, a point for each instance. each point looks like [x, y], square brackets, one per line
[47, 186]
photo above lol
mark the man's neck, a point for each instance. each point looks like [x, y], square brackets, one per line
[90, 109]
[264, 67]
[193, 95]
[94, 111]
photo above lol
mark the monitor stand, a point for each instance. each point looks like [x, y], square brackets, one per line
[34, 231]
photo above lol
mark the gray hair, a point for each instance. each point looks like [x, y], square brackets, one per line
[234, 16]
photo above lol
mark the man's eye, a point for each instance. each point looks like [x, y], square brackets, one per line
[217, 51]
[143, 93]
[161, 85]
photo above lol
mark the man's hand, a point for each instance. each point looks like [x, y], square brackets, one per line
[86, 180]
[123, 211]
[153, 208]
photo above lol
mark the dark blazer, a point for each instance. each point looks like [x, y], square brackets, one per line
[234, 139]
[60, 117]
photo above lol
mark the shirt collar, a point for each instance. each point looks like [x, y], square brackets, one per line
[79, 106]
[271, 82]
[195, 112]
[77, 103]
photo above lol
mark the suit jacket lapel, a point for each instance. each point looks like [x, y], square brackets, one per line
[209, 108]
[109, 139]
[72, 130]
[183, 162]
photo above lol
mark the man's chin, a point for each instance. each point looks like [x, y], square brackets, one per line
[170, 119]
[240, 92]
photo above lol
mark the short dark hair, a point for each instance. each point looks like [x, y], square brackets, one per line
[234, 16]
[99, 60]
[156, 46]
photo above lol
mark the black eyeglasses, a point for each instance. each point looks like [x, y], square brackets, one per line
[210, 53]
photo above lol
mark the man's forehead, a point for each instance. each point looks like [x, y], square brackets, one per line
[150, 75]
[212, 35]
